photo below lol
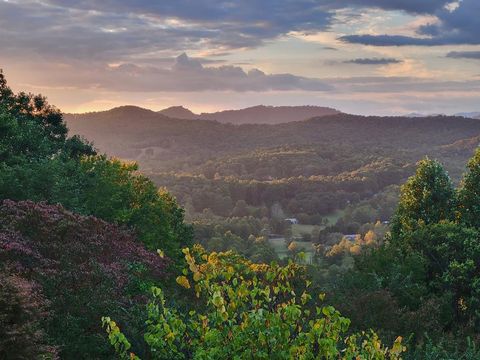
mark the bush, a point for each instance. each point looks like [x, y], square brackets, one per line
[83, 266]
[248, 311]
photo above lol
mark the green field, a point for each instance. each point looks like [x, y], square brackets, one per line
[299, 229]
[280, 248]
[333, 217]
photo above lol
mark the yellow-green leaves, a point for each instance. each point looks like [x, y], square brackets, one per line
[252, 311]
[398, 347]
[197, 276]
[183, 281]
[217, 299]
[117, 339]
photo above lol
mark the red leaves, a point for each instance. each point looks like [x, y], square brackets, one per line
[37, 234]
[83, 266]
[22, 308]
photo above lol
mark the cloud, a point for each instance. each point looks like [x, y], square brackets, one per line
[402, 84]
[185, 75]
[457, 25]
[464, 55]
[392, 40]
[411, 6]
[249, 11]
[116, 30]
[188, 74]
[229, 24]
[373, 61]
[52, 33]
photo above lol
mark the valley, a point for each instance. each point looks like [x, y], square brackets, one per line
[334, 173]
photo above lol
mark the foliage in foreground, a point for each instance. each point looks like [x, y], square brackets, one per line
[248, 311]
[59, 273]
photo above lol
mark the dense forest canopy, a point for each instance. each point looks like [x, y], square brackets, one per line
[331, 159]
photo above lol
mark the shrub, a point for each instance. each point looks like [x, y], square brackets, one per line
[82, 265]
[248, 311]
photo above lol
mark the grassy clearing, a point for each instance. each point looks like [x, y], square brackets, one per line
[280, 248]
[298, 229]
[278, 245]
[333, 218]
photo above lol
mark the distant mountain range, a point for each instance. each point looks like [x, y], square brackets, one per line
[253, 115]
[162, 143]
[420, 115]
[260, 114]
[179, 112]
[471, 115]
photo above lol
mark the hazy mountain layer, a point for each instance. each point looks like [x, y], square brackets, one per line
[254, 115]
[161, 143]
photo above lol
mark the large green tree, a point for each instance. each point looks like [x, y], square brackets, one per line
[469, 193]
[452, 257]
[429, 273]
[32, 128]
[428, 197]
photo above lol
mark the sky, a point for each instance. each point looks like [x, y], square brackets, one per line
[383, 57]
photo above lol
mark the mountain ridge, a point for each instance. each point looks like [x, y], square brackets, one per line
[259, 114]
[162, 143]
[179, 112]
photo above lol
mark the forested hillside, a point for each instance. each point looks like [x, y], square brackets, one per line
[310, 168]
[164, 143]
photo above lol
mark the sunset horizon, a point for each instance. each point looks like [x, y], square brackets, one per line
[359, 56]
